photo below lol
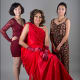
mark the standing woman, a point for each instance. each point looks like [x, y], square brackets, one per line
[16, 23]
[59, 32]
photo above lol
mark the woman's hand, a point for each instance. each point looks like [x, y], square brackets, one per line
[45, 56]
[58, 47]
[45, 53]
[30, 48]
[34, 49]
[14, 38]
[53, 46]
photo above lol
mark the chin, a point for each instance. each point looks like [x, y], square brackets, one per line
[18, 14]
[37, 23]
[61, 14]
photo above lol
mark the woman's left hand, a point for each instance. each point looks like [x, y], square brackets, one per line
[45, 56]
[58, 47]
[14, 38]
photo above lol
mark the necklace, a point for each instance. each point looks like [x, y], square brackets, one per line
[61, 19]
[19, 21]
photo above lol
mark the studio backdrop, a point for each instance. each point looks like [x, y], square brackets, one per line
[49, 9]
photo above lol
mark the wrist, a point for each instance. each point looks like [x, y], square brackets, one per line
[47, 47]
[27, 46]
[60, 45]
[30, 48]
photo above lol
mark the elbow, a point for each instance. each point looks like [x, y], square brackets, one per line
[1, 31]
[20, 42]
[66, 36]
[65, 39]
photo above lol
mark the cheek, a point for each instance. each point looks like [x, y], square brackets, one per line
[64, 11]
[59, 11]
[35, 20]
[40, 20]
[20, 10]
[14, 12]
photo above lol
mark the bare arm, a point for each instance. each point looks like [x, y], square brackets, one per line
[23, 36]
[46, 37]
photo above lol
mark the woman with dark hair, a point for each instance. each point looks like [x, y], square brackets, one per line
[59, 32]
[37, 60]
[16, 23]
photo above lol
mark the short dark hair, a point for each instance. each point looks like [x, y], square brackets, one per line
[33, 13]
[13, 6]
[62, 4]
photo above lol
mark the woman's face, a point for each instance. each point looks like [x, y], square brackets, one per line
[37, 19]
[61, 10]
[17, 11]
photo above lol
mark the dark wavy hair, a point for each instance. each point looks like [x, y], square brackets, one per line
[33, 13]
[13, 6]
[62, 4]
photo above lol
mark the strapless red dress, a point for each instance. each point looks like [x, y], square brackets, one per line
[35, 66]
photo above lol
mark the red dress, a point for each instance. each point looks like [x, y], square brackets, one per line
[35, 66]
[16, 30]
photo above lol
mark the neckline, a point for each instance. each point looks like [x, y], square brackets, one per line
[17, 22]
[60, 23]
[38, 27]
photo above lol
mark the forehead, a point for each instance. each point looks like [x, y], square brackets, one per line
[18, 6]
[61, 6]
[38, 14]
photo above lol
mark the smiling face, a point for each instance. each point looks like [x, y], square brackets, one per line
[61, 10]
[37, 19]
[17, 11]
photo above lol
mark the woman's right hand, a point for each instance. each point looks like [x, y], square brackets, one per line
[53, 46]
[14, 38]
[30, 48]
[33, 49]
[45, 56]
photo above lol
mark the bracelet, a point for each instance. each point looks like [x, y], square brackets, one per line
[46, 47]
[30, 48]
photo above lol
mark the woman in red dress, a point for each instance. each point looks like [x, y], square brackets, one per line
[37, 60]
[16, 24]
